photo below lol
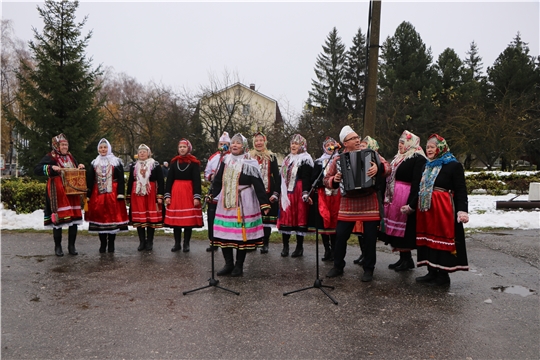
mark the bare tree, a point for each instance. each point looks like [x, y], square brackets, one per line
[13, 51]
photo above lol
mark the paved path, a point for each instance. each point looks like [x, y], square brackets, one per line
[130, 305]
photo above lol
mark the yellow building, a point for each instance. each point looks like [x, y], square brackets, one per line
[237, 108]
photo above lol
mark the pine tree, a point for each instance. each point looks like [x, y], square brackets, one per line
[408, 87]
[474, 62]
[355, 75]
[58, 90]
[328, 92]
[513, 97]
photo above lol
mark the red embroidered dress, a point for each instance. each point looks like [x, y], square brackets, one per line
[145, 186]
[60, 209]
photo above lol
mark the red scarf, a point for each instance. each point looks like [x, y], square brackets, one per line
[188, 158]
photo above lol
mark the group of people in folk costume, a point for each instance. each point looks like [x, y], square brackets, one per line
[419, 201]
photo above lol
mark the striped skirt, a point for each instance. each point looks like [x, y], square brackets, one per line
[395, 221]
[181, 212]
[239, 227]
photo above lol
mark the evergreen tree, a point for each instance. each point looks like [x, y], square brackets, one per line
[513, 97]
[408, 87]
[58, 93]
[328, 90]
[355, 75]
[474, 62]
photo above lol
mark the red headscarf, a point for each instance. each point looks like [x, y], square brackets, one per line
[188, 158]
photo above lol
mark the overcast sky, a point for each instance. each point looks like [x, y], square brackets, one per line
[272, 44]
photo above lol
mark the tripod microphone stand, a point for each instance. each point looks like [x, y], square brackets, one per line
[212, 282]
[318, 282]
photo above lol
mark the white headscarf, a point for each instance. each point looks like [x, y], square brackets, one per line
[107, 159]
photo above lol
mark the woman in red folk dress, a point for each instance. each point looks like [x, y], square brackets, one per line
[60, 209]
[183, 195]
[323, 214]
[295, 185]
[145, 193]
[107, 212]
[443, 209]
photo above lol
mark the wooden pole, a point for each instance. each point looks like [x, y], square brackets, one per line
[372, 73]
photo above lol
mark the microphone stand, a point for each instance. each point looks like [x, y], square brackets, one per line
[318, 282]
[213, 282]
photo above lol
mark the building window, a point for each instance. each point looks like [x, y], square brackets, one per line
[230, 108]
[246, 110]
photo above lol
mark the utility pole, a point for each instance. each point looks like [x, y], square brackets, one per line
[372, 68]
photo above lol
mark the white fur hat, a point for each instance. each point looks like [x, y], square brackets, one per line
[225, 137]
[344, 132]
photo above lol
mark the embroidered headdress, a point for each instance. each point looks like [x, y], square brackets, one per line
[225, 137]
[56, 140]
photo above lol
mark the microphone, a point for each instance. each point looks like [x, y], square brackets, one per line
[335, 147]
[223, 148]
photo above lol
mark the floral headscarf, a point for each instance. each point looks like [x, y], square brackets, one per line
[412, 147]
[56, 140]
[371, 143]
[187, 143]
[325, 158]
[64, 161]
[289, 168]
[265, 154]
[241, 139]
[235, 165]
[300, 140]
[432, 169]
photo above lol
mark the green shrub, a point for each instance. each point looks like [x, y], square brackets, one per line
[23, 195]
[496, 184]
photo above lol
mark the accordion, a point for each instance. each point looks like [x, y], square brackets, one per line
[354, 168]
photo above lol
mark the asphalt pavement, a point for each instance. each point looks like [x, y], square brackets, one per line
[131, 305]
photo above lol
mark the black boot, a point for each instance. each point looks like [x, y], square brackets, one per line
[442, 279]
[239, 266]
[229, 262]
[72, 236]
[212, 248]
[429, 277]
[103, 242]
[407, 262]
[264, 249]
[187, 238]
[299, 251]
[111, 237]
[397, 263]
[327, 250]
[285, 251]
[266, 240]
[149, 238]
[361, 259]
[142, 239]
[177, 239]
[57, 235]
